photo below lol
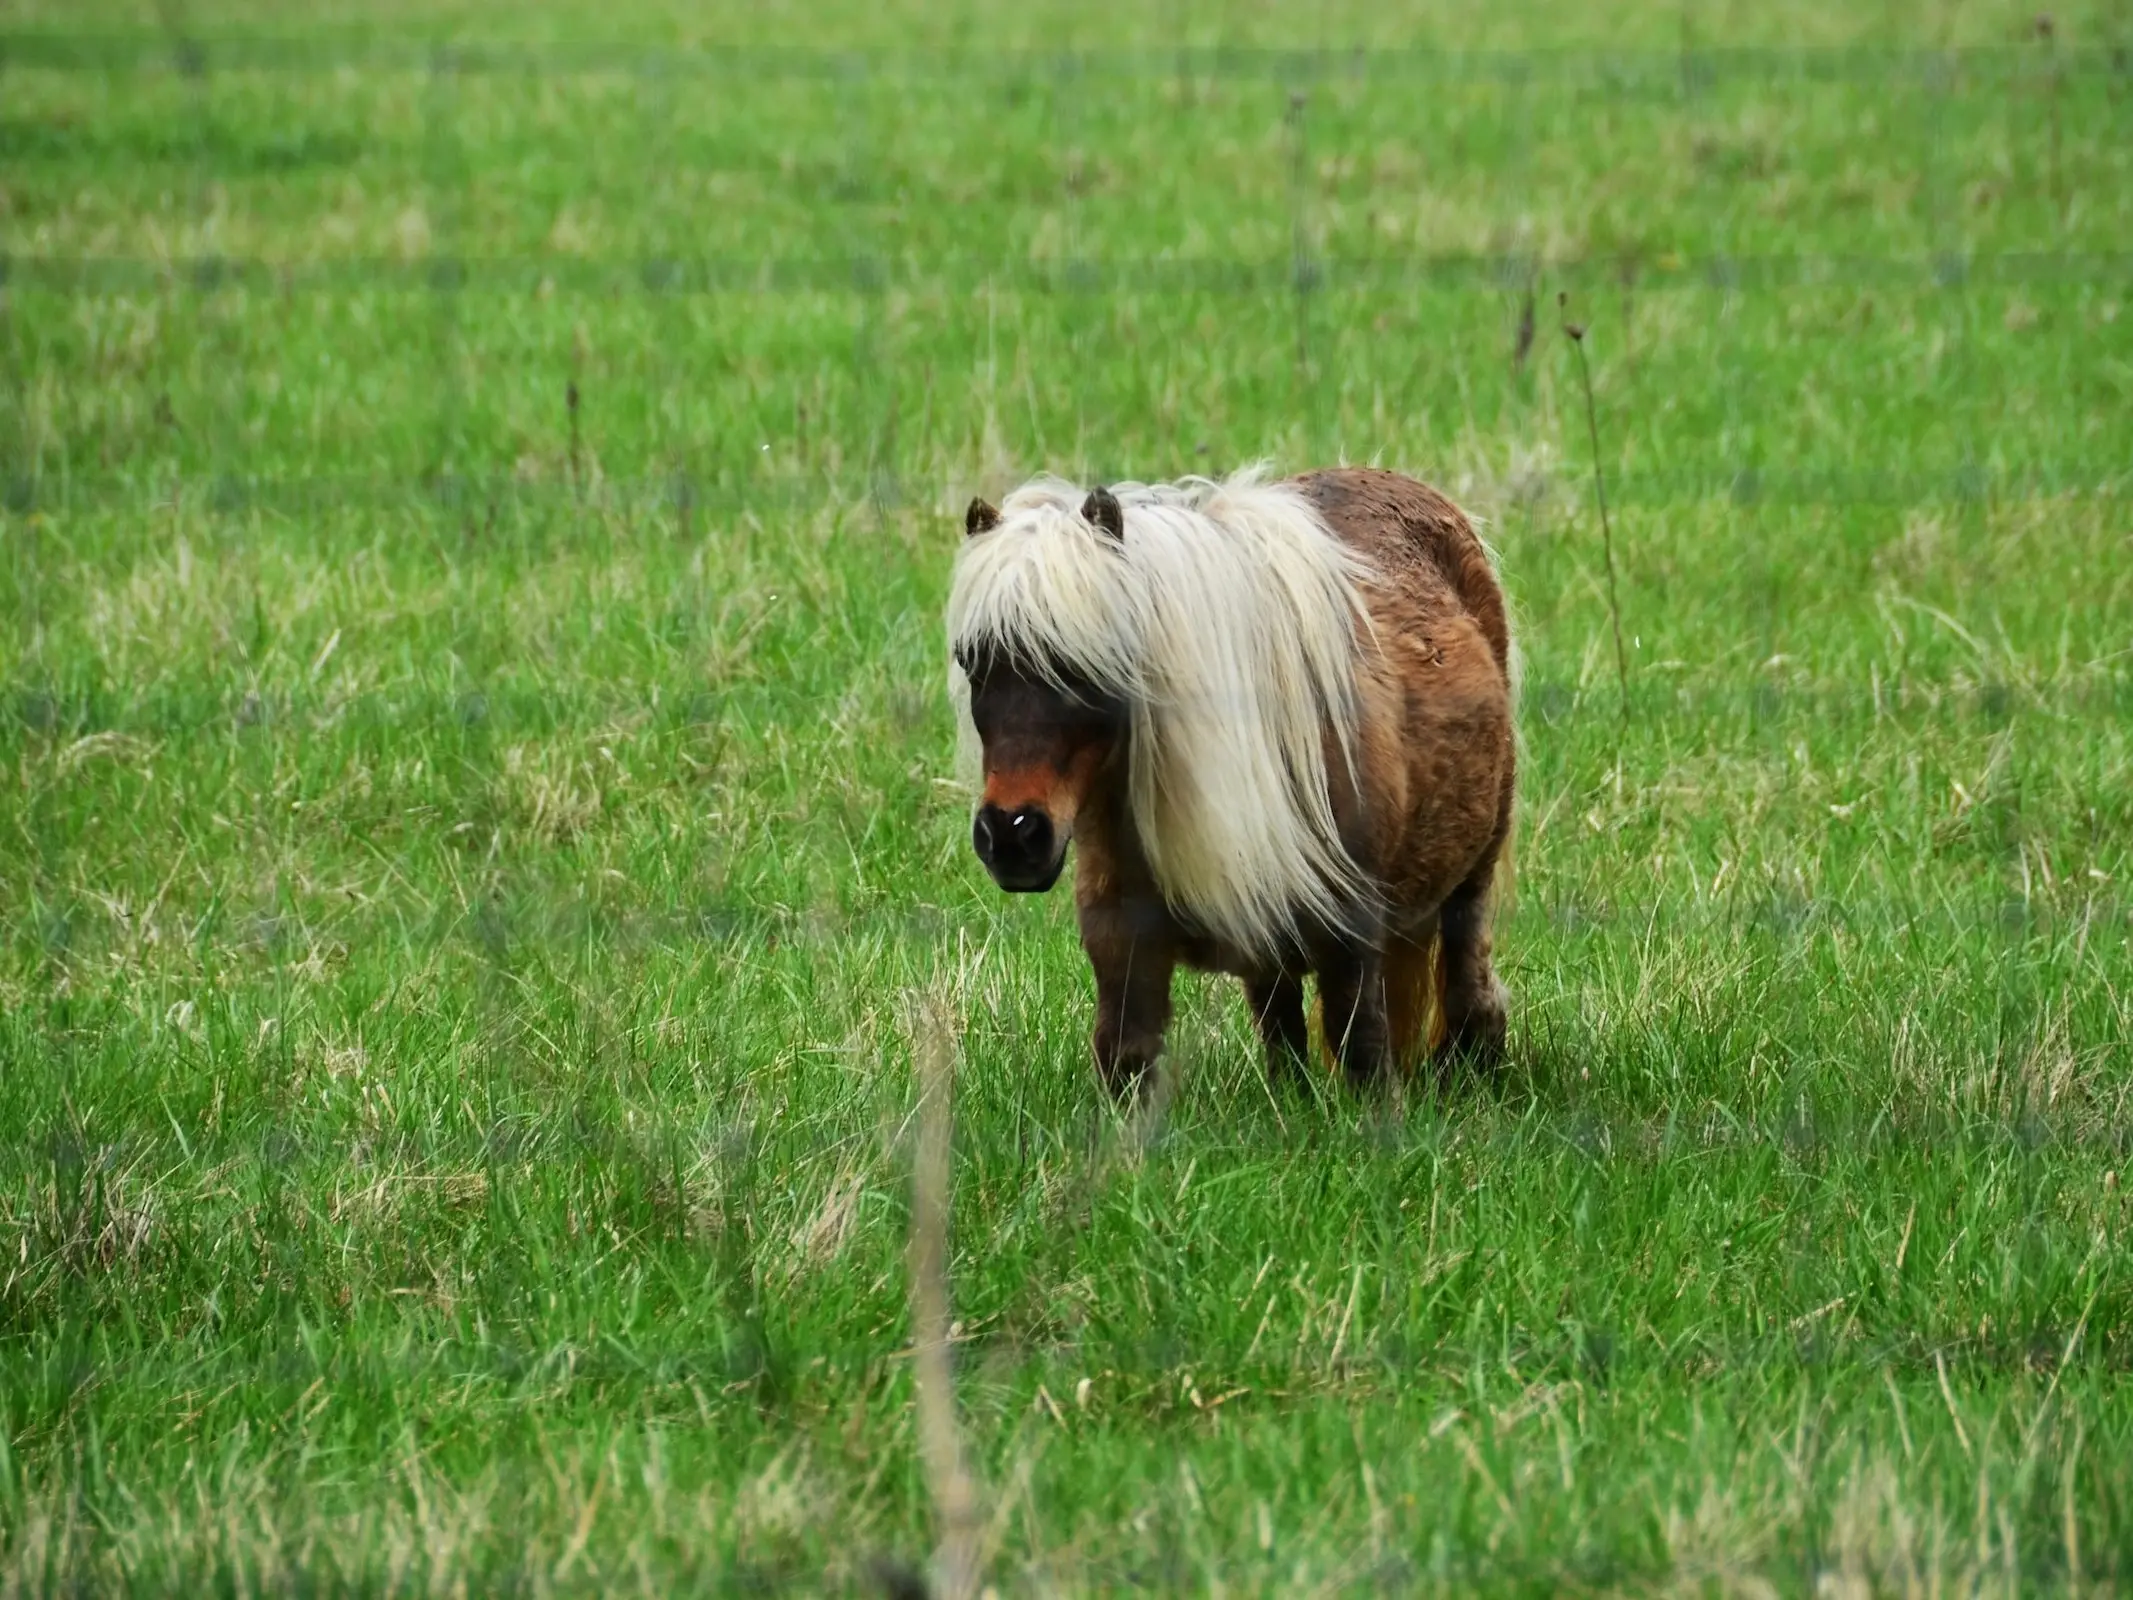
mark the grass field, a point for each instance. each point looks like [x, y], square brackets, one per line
[476, 823]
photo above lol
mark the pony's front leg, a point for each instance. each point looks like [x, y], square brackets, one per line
[1351, 990]
[1133, 962]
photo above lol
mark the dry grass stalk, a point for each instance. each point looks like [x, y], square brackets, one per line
[954, 1492]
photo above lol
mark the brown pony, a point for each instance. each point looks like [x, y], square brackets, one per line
[1276, 718]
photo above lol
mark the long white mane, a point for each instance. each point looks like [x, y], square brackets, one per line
[1229, 621]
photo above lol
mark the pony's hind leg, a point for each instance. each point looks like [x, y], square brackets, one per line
[1278, 1007]
[1351, 993]
[1471, 998]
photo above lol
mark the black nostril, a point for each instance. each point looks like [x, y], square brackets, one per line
[1015, 841]
[1031, 832]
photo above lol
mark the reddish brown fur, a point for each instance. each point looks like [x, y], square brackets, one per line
[1427, 823]
[1057, 788]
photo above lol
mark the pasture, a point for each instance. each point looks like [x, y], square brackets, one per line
[478, 839]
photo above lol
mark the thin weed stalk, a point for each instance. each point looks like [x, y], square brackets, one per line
[1522, 340]
[1576, 334]
[2047, 32]
[570, 404]
[1301, 270]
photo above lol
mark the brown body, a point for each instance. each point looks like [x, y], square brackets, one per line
[1427, 818]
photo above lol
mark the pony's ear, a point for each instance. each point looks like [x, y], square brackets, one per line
[1102, 510]
[980, 518]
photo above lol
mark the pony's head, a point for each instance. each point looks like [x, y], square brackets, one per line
[1051, 715]
[1186, 650]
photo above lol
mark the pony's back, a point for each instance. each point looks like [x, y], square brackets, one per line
[1391, 516]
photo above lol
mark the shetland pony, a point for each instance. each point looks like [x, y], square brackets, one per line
[1275, 719]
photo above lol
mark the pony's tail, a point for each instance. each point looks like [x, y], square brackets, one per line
[1414, 1010]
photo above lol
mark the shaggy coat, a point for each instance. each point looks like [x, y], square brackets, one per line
[1275, 721]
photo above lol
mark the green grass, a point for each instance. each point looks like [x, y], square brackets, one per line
[467, 875]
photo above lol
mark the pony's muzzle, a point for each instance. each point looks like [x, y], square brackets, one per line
[1020, 848]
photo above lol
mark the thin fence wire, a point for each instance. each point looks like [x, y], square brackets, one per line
[664, 275]
[681, 495]
[1677, 73]
[79, 932]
